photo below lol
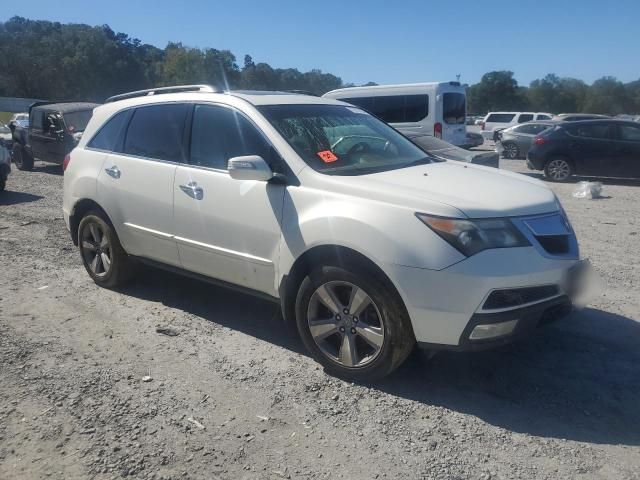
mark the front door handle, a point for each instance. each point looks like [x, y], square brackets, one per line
[113, 172]
[193, 190]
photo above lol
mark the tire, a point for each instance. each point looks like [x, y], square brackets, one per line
[510, 150]
[114, 270]
[558, 169]
[3, 183]
[362, 348]
[22, 159]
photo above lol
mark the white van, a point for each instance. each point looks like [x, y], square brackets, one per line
[435, 108]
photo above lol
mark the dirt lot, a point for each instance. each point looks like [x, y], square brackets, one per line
[234, 395]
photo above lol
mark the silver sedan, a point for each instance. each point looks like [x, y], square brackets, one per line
[514, 142]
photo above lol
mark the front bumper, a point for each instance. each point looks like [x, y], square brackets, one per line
[446, 305]
[525, 319]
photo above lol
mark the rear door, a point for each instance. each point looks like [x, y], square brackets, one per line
[454, 110]
[591, 148]
[626, 151]
[37, 139]
[135, 185]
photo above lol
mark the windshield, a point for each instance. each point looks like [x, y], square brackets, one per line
[340, 140]
[454, 108]
[77, 121]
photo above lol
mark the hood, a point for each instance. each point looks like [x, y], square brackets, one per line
[475, 191]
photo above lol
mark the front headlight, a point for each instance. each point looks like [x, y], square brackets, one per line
[473, 236]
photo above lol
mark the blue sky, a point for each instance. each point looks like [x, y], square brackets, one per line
[384, 41]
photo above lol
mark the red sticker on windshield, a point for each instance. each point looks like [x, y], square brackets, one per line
[327, 156]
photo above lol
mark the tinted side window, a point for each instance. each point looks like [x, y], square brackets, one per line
[543, 117]
[525, 117]
[109, 137]
[156, 132]
[501, 117]
[220, 133]
[629, 133]
[394, 108]
[37, 119]
[590, 131]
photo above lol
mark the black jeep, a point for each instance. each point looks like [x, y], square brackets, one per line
[54, 130]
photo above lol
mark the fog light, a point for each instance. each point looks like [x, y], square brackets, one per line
[492, 330]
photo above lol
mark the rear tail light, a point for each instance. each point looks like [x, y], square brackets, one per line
[539, 140]
[66, 161]
[437, 130]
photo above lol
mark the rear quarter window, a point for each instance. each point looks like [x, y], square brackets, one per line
[109, 137]
[500, 117]
[589, 131]
[525, 117]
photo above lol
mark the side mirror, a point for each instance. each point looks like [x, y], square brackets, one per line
[249, 167]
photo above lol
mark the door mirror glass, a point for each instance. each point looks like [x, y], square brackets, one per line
[249, 167]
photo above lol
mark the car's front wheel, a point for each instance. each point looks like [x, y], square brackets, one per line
[510, 150]
[352, 323]
[558, 169]
[102, 255]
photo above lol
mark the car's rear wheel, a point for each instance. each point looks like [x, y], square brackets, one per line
[558, 169]
[510, 150]
[352, 324]
[22, 158]
[102, 255]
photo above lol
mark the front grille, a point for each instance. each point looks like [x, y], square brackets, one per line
[554, 244]
[514, 297]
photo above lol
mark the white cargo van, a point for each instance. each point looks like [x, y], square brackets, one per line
[435, 108]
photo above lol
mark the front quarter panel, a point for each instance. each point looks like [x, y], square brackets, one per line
[383, 232]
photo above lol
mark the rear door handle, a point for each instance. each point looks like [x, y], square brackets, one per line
[113, 172]
[193, 190]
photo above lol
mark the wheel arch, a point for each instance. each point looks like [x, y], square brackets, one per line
[80, 208]
[327, 254]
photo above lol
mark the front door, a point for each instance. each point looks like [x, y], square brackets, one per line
[135, 185]
[626, 151]
[224, 228]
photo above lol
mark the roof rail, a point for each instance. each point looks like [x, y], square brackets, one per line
[161, 90]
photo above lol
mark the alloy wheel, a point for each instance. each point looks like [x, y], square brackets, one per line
[511, 150]
[96, 249]
[345, 324]
[559, 169]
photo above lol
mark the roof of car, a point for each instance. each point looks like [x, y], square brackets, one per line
[67, 106]
[598, 121]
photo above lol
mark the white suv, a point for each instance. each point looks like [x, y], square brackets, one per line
[367, 243]
[496, 121]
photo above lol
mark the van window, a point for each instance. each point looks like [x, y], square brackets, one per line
[453, 108]
[500, 117]
[220, 133]
[525, 117]
[156, 132]
[394, 108]
[109, 137]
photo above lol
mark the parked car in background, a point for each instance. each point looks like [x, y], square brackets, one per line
[446, 151]
[20, 120]
[54, 130]
[435, 108]
[607, 148]
[366, 242]
[5, 167]
[496, 121]
[514, 142]
[572, 117]
[473, 140]
[5, 137]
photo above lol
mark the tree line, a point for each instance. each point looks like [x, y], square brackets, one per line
[55, 61]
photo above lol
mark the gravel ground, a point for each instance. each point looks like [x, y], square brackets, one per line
[91, 390]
